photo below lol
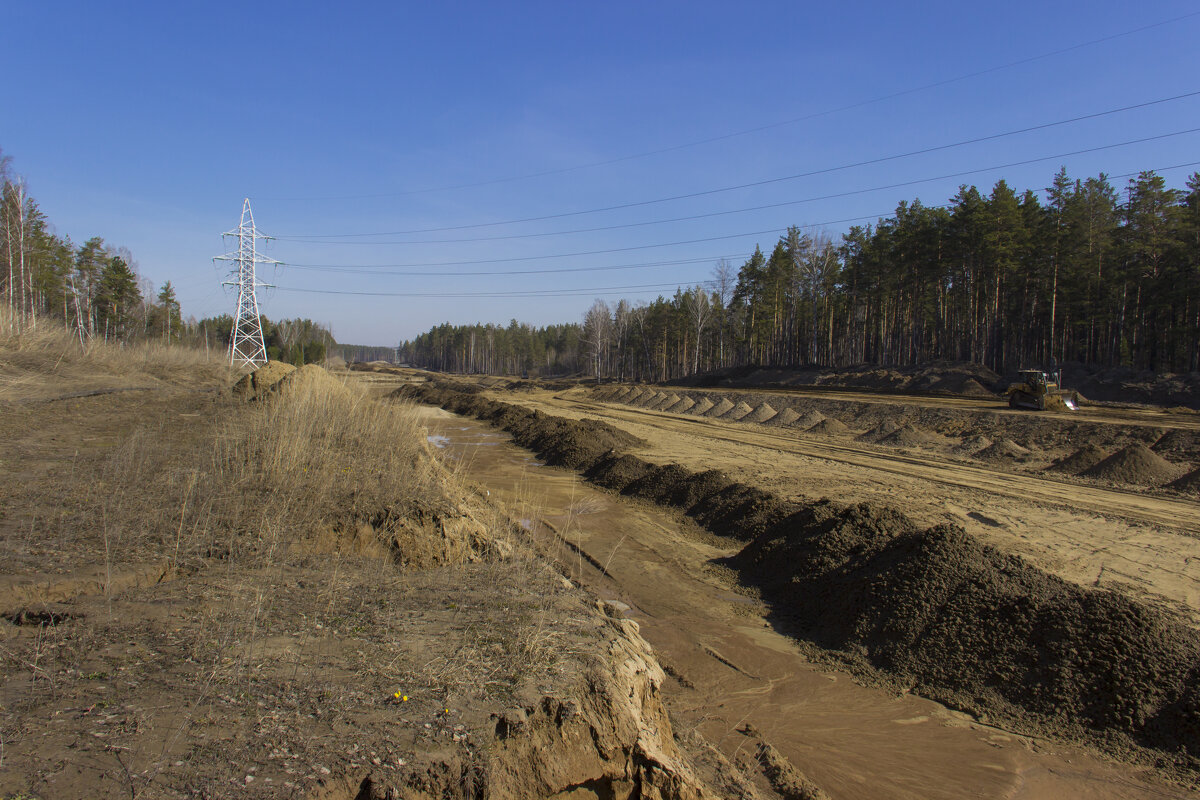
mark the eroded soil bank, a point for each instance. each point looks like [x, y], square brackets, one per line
[739, 684]
[932, 608]
[206, 595]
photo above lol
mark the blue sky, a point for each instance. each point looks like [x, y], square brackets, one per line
[434, 123]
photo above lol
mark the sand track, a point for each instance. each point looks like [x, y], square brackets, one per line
[1181, 515]
[912, 599]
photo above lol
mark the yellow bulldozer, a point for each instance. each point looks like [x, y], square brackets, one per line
[1040, 391]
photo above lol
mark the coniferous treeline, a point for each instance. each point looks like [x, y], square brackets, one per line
[1082, 273]
[94, 289]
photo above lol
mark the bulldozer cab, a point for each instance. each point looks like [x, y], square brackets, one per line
[1035, 379]
[1039, 391]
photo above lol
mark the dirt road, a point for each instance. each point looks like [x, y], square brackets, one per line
[730, 669]
[1142, 544]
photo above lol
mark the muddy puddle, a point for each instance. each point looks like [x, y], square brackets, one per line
[729, 668]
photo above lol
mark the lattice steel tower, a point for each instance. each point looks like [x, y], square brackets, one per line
[246, 344]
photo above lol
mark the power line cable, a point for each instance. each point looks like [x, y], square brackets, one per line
[530, 293]
[760, 128]
[836, 195]
[478, 273]
[598, 290]
[309, 238]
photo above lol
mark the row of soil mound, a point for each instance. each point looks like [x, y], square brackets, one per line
[935, 608]
[1021, 440]
[946, 378]
[1135, 464]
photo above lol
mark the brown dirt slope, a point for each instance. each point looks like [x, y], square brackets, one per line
[938, 610]
[1081, 460]
[291, 598]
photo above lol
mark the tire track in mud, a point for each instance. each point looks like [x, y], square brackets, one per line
[943, 614]
[1180, 515]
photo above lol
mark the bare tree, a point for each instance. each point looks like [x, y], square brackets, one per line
[724, 282]
[597, 334]
[817, 263]
[622, 320]
[698, 306]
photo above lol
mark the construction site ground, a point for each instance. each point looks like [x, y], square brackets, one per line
[1005, 476]
[1135, 539]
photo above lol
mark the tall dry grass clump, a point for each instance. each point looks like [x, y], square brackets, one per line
[321, 455]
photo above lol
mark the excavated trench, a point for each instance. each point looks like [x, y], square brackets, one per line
[933, 608]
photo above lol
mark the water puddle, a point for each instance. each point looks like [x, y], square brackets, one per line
[732, 668]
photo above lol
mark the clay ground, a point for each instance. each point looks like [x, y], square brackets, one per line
[1138, 540]
[174, 625]
[738, 682]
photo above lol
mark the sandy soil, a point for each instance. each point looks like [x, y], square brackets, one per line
[1094, 535]
[259, 661]
[737, 681]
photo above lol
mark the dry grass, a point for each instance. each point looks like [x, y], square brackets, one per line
[318, 560]
[37, 353]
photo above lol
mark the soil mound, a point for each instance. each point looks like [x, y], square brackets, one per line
[1181, 444]
[936, 608]
[702, 407]
[613, 394]
[973, 388]
[666, 402]
[720, 409]
[829, 426]
[649, 399]
[617, 471]
[884, 428]
[807, 420]
[761, 414]
[1137, 465]
[944, 610]
[1004, 450]
[1081, 460]
[785, 417]
[262, 380]
[1188, 484]
[681, 406]
[311, 379]
[973, 444]
[740, 411]
[634, 395]
[911, 436]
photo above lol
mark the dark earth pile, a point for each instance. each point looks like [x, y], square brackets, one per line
[935, 608]
[1189, 484]
[761, 414]
[740, 411]
[910, 436]
[720, 409]
[808, 419]
[1004, 450]
[681, 406]
[829, 426]
[1082, 459]
[1136, 464]
[785, 417]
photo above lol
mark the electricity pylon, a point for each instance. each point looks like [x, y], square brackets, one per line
[246, 344]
